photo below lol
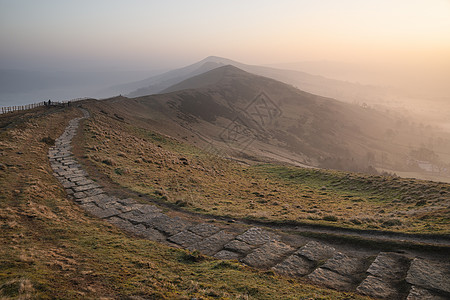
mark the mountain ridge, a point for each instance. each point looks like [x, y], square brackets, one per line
[315, 84]
[223, 109]
[212, 100]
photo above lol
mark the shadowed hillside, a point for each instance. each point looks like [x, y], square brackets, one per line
[342, 90]
[247, 116]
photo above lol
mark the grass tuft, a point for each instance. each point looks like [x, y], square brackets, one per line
[191, 257]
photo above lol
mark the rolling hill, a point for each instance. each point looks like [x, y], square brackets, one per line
[345, 91]
[57, 248]
[248, 116]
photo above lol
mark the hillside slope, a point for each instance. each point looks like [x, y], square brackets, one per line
[242, 114]
[158, 83]
[318, 85]
[135, 156]
[51, 248]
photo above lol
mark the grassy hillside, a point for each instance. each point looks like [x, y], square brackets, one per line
[175, 172]
[287, 124]
[52, 249]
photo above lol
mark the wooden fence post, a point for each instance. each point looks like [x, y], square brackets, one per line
[14, 108]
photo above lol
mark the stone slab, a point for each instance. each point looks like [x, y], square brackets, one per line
[117, 205]
[204, 229]
[146, 208]
[316, 251]
[257, 236]
[267, 255]
[429, 275]
[93, 192]
[331, 279]
[121, 223]
[346, 265]
[68, 184]
[91, 198]
[127, 201]
[378, 288]
[295, 265]
[106, 202]
[80, 172]
[83, 188]
[185, 238]
[137, 217]
[389, 266]
[64, 173]
[148, 233]
[90, 207]
[99, 212]
[77, 178]
[239, 247]
[167, 225]
[123, 207]
[106, 213]
[227, 255]
[79, 195]
[418, 293]
[213, 244]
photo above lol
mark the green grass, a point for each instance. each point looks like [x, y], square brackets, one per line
[344, 184]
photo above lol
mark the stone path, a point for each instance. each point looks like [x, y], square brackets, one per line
[388, 276]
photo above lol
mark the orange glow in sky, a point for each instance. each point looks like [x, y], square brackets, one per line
[159, 34]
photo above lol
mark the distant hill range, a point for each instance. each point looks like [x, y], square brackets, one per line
[259, 113]
[248, 117]
[345, 91]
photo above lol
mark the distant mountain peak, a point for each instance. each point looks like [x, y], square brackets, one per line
[310, 83]
[214, 57]
[229, 67]
[209, 65]
[218, 59]
[211, 77]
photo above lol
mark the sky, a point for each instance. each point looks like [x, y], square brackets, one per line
[146, 34]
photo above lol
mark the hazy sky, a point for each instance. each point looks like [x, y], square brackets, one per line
[144, 34]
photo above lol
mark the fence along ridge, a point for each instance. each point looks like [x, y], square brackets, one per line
[8, 109]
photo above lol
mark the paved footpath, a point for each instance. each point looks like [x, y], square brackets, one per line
[389, 275]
